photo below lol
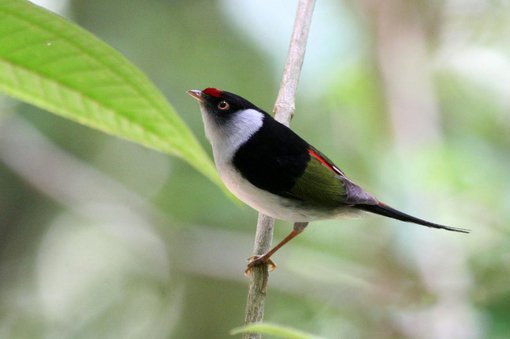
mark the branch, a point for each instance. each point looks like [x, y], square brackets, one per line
[284, 110]
[284, 106]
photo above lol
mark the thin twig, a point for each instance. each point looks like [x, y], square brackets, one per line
[284, 110]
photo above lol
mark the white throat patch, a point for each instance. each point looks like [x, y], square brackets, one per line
[226, 139]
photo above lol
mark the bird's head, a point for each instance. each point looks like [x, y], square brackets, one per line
[226, 114]
[221, 105]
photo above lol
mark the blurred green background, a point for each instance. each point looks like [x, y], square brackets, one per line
[102, 238]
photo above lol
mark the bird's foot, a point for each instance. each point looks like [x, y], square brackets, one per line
[257, 260]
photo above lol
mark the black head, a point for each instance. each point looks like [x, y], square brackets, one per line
[222, 104]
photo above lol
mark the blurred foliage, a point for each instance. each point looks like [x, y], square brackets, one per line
[102, 238]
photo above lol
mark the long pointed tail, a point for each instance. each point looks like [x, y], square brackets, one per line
[387, 211]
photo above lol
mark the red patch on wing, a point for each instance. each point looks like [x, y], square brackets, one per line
[213, 92]
[321, 159]
[325, 162]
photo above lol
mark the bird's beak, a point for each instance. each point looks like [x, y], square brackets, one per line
[195, 93]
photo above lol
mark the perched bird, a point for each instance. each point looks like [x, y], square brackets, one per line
[273, 170]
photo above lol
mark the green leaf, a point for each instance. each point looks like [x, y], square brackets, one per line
[54, 64]
[273, 329]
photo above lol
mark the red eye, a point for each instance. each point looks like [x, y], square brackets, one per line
[223, 105]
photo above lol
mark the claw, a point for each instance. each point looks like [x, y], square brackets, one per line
[257, 260]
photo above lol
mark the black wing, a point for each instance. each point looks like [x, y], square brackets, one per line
[273, 158]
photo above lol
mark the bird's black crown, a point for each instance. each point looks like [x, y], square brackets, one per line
[223, 104]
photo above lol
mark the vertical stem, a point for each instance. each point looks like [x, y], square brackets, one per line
[284, 106]
[284, 110]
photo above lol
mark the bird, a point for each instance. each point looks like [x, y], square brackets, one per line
[276, 172]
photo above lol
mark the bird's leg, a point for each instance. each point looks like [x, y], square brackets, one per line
[257, 260]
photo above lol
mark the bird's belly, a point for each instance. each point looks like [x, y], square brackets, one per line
[274, 205]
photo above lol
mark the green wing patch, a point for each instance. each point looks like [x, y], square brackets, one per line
[319, 185]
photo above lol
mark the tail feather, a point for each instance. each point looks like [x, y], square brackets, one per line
[387, 211]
